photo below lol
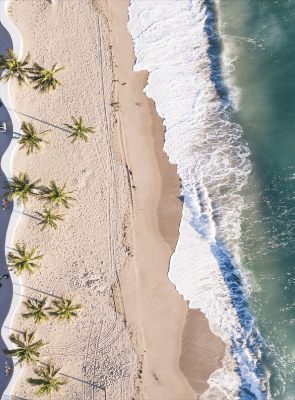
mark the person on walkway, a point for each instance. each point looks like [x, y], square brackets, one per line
[7, 368]
[5, 205]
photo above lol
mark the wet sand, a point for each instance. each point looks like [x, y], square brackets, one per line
[178, 350]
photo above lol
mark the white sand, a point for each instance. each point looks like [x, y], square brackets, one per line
[83, 257]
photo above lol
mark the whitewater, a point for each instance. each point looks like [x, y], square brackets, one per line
[177, 43]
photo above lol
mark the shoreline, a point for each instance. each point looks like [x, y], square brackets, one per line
[170, 327]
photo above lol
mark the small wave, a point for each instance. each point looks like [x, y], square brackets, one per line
[176, 43]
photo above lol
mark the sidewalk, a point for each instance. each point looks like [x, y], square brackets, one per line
[6, 289]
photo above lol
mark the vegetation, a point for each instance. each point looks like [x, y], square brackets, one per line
[14, 68]
[65, 310]
[20, 187]
[27, 351]
[49, 219]
[31, 139]
[79, 131]
[57, 195]
[44, 79]
[20, 259]
[36, 310]
[23, 260]
[48, 381]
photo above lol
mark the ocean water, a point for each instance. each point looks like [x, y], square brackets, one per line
[258, 38]
[220, 74]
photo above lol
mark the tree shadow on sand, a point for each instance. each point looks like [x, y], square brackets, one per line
[40, 120]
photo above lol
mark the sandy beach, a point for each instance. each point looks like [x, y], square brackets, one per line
[136, 337]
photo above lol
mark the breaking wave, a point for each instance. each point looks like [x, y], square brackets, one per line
[177, 43]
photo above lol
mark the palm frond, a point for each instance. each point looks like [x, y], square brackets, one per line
[23, 260]
[48, 218]
[20, 187]
[26, 351]
[57, 195]
[31, 139]
[49, 381]
[14, 68]
[79, 131]
[36, 310]
[44, 79]
[65, 310]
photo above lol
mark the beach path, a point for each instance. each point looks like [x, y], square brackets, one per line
[6, 289]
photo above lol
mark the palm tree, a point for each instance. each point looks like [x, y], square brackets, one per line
[14, 68]
[57, 195]
[49, 381]
[23, 260]
[27, 351]
[65, 309]
[45, 79]
[79, 130]
[36, 310]
[49, 219]
[20, 187]
[31, 139]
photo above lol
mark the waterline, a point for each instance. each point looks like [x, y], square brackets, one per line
[177, 44]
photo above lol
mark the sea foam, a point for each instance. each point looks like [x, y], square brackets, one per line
[175, 42]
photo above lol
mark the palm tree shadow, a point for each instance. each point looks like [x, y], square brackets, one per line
[28, 215]
[40, 291]
[31, 216]
[12, 330]
[77, 379]
[40, 120]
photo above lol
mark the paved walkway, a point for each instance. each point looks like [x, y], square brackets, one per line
[6, 289]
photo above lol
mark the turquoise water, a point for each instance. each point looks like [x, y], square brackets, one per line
[259, 42]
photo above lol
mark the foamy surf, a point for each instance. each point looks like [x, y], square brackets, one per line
[174, 42]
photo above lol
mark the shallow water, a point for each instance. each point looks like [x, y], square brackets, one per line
[258, 38]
